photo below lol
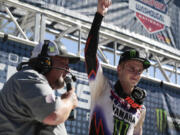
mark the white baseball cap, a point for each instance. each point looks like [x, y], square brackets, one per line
[50, 48]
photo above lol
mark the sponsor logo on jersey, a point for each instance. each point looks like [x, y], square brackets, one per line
[120, 127]
[121, 114]
[96, 127]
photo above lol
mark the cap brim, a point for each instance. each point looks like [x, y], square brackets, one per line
[143, 62]
[72, 59]
[138, 59]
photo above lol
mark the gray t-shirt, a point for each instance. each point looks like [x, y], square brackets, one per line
[25, 100]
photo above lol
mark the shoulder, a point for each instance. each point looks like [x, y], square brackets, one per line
[29, 74]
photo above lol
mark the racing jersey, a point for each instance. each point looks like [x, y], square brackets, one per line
[110, 114]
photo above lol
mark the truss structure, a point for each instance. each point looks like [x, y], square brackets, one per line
[29, 24]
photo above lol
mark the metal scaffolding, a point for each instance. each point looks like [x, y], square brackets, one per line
[31, 24]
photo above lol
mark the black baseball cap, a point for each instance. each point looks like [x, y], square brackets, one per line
[135, 55]
[53, 49]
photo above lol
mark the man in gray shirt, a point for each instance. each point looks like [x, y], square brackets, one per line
[28, 105]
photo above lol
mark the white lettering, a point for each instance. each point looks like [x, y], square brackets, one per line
[11, 70]
[14, 58]
[1, 85]
[155, 4]
[139, 7]
[150, 12]
[2, 68]
[84, 96]
[87, 116]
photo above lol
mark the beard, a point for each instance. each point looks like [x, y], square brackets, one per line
[59, 83]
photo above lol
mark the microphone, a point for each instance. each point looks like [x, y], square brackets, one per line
[68, 82]
[20, 66]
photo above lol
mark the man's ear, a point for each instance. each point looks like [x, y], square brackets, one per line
[118, 68]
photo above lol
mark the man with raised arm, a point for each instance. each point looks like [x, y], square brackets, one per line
[116, 109]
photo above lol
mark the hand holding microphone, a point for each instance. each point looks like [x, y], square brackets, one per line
[72, 94]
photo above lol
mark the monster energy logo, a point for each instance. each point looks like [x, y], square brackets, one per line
[120, 127]
[161, 119]
[132, 53]
[51, 48]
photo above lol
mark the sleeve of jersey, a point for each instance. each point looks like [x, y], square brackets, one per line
[91, 47]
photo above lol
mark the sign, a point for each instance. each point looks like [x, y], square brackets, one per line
[151, 14]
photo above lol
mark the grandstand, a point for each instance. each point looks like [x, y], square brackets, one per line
[24, 23]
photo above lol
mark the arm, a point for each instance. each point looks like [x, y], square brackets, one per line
[68, 102]
[93, 38]
[138, 129]
[38, 101]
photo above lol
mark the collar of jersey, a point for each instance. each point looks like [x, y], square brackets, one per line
[119, 90]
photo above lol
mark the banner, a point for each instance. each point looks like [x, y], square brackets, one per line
[162, 101]
[154, 19]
